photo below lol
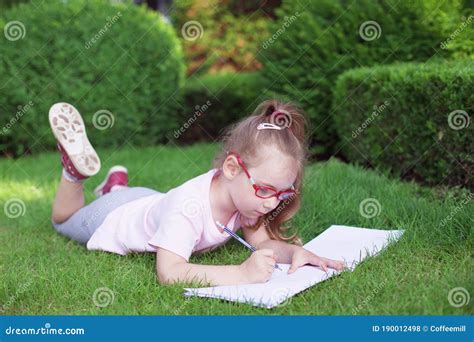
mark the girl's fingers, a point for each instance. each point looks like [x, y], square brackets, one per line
[337, 265]
[324, 263]
[318, 261]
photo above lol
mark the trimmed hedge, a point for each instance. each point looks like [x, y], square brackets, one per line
[213, 102]
[315, 41]
[97, 56]
[412, 119]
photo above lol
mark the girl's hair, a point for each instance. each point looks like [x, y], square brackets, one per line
[244, 138]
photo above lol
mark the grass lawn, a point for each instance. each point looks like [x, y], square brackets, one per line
[45, 273]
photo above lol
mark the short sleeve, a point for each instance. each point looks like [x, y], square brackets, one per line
[177, 233]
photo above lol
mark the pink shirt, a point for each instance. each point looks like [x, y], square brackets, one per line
[179, 221]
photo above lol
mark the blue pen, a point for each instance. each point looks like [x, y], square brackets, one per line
[242, 241]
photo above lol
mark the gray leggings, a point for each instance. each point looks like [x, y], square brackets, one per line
[84, 222]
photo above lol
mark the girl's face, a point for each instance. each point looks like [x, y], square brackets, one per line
[274, 169]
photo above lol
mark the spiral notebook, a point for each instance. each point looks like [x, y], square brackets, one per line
[350, 244]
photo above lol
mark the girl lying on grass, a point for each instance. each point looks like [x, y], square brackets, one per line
[255, 185]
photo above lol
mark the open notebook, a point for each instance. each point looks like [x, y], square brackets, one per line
[350, 244]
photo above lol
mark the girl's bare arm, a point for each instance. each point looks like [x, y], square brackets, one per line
[172, 268]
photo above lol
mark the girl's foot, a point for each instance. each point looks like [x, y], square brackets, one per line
[117, 178]
[78, 157]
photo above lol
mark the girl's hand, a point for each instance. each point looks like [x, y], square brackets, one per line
[302, 257]
[258, 268]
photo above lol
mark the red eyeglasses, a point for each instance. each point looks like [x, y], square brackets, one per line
[264, 191]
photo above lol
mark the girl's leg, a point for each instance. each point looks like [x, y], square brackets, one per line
[70, 195]
[85, 221]
[69, 199]
[78, 159]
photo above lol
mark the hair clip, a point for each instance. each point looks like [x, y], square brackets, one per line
[267, 125]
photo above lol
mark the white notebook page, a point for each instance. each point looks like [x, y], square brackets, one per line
[350, 244]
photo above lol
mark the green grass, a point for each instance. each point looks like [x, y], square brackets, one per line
[45, 273]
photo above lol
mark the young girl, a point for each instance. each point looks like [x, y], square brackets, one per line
[255, 185]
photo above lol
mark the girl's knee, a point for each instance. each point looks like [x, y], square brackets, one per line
[58, 219]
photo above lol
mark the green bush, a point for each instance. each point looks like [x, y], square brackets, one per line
[212, 102]
[460, 41]
[315, 41]
[10, 3]
[220, 36]
[122, 59]
[412, 119]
